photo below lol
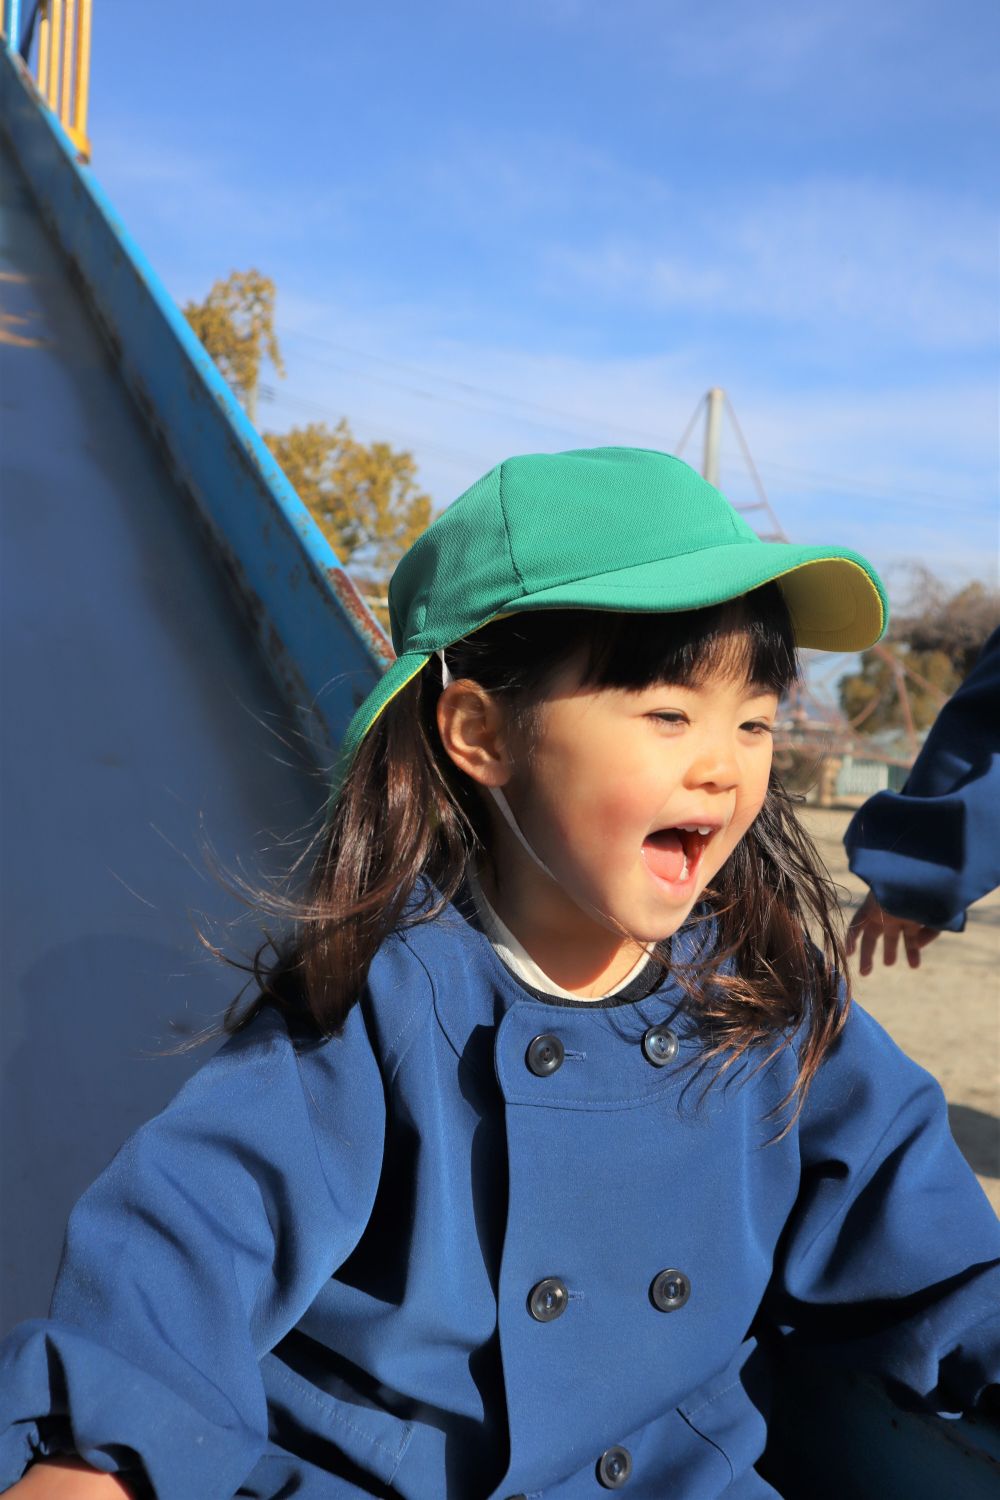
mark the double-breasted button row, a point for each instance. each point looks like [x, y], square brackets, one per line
[549, 1298]
[546, 1052]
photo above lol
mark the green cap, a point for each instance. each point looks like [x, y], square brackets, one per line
[624, 529]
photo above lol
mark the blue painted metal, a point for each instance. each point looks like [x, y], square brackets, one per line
[12, 21]
[140, 720]
[319, 637]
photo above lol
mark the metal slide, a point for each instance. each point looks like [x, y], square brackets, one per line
[141, 722]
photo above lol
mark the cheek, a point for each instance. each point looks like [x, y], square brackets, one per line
[594, 803]
[628, 794]
[752, 796]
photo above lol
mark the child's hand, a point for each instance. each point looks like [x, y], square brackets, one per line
[871, 922]
[67, 1479]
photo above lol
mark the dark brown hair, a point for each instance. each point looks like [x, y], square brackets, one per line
[406, 821]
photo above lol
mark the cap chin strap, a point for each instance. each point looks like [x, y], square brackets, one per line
[499, 798]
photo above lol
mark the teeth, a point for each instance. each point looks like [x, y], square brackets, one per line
[693, 828]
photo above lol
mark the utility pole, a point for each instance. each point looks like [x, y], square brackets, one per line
[713, 434]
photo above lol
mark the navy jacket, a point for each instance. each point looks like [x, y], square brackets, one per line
[312, 1274]
[932, 849]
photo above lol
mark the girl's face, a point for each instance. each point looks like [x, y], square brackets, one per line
[635, 799]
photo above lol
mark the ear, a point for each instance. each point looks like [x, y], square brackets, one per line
[473, 730]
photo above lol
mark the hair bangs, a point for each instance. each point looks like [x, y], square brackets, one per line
[746, 640]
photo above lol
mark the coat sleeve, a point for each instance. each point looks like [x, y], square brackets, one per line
[890, 1259]
[932, 849]
[202, 1243]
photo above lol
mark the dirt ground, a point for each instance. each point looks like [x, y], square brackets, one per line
[946, 1014]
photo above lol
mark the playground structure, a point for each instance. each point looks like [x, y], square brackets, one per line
[62, 57]
[181, 654]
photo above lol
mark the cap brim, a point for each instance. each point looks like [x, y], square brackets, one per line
[392, 681]
[835, 599]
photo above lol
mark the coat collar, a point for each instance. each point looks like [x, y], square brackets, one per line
[490, 1016]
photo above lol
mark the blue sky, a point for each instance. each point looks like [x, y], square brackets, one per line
[542, 224]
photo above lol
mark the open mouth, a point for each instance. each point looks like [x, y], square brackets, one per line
[674, 854]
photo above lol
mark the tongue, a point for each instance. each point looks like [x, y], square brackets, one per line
[664, 854]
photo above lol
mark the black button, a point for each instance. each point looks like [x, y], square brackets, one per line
[660, 1045]
[548, 1299]
[614, 1467]
[670, 1290]
[545, 1054]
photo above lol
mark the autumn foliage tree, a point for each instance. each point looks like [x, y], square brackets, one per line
[937, 635]
[236, 325]
[364, 497]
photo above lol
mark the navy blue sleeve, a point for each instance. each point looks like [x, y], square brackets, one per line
[932, 849]
[203, 1242]
[890, 1260]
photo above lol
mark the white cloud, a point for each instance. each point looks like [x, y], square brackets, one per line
[898, 473]
[853, 257]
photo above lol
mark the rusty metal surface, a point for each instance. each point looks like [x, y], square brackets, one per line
[353, 605]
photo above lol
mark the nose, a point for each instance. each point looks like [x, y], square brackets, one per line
[715, 766]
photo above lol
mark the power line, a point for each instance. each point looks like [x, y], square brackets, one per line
[503, 396]
[303, 403]
[426, 395]
[585, 425]
[842, 482]
[835, 480]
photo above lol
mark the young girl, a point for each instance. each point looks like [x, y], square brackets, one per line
[550, 1114]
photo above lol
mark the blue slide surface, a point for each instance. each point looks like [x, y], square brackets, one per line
[139, 721]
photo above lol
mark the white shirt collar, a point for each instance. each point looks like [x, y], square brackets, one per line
[517, 957]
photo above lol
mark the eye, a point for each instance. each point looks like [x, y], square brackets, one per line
[670, 716]
[757, 726]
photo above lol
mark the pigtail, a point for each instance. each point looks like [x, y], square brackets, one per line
[393, 853]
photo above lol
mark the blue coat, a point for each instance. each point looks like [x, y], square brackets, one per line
[932, 849]
[328, 1271]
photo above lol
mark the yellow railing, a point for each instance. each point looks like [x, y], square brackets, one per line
[63, 68]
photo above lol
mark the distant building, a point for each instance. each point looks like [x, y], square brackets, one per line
[882, 765]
